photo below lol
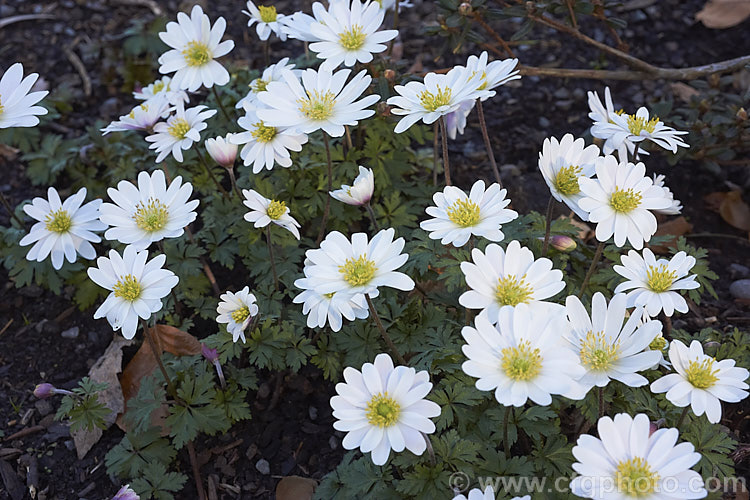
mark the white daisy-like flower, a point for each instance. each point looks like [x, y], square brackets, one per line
[16, 103]
[478, 494]
[148, 212]
[322, 100]
[391, 4]
[297, 25]
[455, 121]
[236, 310]
[273, 73]
[562, 163]
[602, 113]
[267, 19]
[195, 47]
[509, 277]
[457, 217]
[626, 129]
[655, 284]
[360, 192]
[137, 287]
[524, 356]
[620, 201]
[701, 381]
[222, 150]
[608, 350]
[382, 408]
[628, 461]
[142, 117]
[263, 145]
[491, 75]
[358, 265]
[264, 211]
[330, 308]
[162, 87]
[437, 96]
[179, 131]
[349, 33]
[659, 345]
[65, 228]
[676, 207]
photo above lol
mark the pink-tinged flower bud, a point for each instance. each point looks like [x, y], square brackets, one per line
[561, 243]
[44, 391]
[222, 150]
[211, 355]
[126, 493]
[465, 9]
[360, 192]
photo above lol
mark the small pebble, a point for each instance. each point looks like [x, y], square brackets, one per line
[312, 412]
[740, 289]
[70, 333]
[543, 122]
[263, 466]
[739, 271]
[333, 442]
[43, 407]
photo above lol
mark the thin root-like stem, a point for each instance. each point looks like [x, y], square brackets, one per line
[430, 450]
[196, 470]
[327, 207]
[506, 443]
[682, 417]
[371, 213]
[592, 267]
[273, 260]
[10, 210]
[435, 154]
[383, 333]
[547, 225]
[446, 160]
[235, 188]
[487, 144]
[221, 105]
[157, 355]
[204, 163]
[600, 391]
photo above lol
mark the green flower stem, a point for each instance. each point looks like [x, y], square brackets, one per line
[600, 391]
[327, 208]
[594, 261]
[221, 105]
[235, 188]
[273, 260]
[430, 450]
[682, 417]
[436, 134]
[446, 160]
[371, 213]
[211, 174]
[383, 333]
[157, 355]
[487, 144]
[10, 210]
[548, 225]
[506, 444]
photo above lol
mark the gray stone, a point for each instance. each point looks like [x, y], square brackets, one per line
[333, 442]
[562, 93]
[543, 122]
[43, 407]
[739, 271]
[263, 466]
[312, 412]
[740, 289]
[31, 291]
[70, 333]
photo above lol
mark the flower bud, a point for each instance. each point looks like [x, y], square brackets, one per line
[389, 75]
[211, 355]
[383, 109]
[44, 391]
[360, 192]
[222, 150]
[465, 9]
[561, 243]
[741, 115]
[126, 493]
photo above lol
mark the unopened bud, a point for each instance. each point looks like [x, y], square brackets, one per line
[389, 75]
[741, 115]
[126, 493]
[383, 109]
[46, 390]
[211, 355]
[561, 243]
[222, 150]
[465, 9]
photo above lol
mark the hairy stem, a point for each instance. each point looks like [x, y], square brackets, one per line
[446, 160]
[548, 225]
[221, 105]
[592, 267]
[436, 135]
[487, 144]
[157, 355]
[204, 163]
[682, 417]
[371, 213]
[327, 208]
[506, 443]
[271, 256]
[383, 333]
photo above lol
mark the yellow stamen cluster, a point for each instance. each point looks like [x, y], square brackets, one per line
[151, 216]
[660, 279]
[511, 291]
[196, 54]
[431, 101]
[635, 478]
[128, 288]
[353, 38]
[318, 105]
[263, 133]
[1, 106]
[158, 87]
[179, 128]
[597, 353]
[240, 315]
[637, 124]
[625, 200]
[276, 209]
[521, 363]
[702, 374]
[658, 344]
[144, 107]
[566, 180]
[359, 271]
[258, 85]
[464, 213]
[58, 222]
[382, 410]
[267, 13]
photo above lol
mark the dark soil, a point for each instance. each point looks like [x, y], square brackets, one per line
[295, 436]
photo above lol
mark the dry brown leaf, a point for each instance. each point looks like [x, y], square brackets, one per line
[105, 370]
[674, 227]
[735, 211]
[295, 488]
[584, 230]
[684, 91]
[719, 14]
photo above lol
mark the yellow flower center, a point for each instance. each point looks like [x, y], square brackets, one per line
[566, 180]
[660, 279]
[597, 353]
[276, 209]
[58, 222]
[511, 291]
[464, 213]
[1, 106]
[143, 107]
[179, 128]
[521, 363]
[127, 288]
[318, 105]
[263, 133]
[353, 38]
[158, 86]
[267, 14]
[638, 124]
[240, 315]
[196, 54]
[625, 200]
[635, 478]
[432, 102]
[382, 410]
[658, 344]
[151, 216]
[701, 373]
[359, 271]
[258, 85]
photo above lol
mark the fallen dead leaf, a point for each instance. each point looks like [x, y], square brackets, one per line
[684, 91]
[584, 230]
[735, 211]
[295, 488]
[719, 14]
[674, 227]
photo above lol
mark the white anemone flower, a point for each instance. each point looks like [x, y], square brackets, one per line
[142, 117]
[522, 357]
[458, 216]
[322, 100]
[272, 73]
[329, 308]
[162, 87]
[65, 228]
[455, 121]
[626, 129]
[264, 146]
[148, 212]
[493, 74]
[382, 408]
[701, 381]
[620, 201]
[358, 265]
[267, 19]
[629, 461]
[509, 277]
[195, 47]
[655, 284]
[676, 207]
[438, 95]
[236, 310]
[488, 494]
[222, 150]
[263, 211]
[601, 114]
[607, 349]
[297, 25]
[349, 32]
[360, 192]
[137, 287]
[16, 103]
[179, 131]
[562, 163]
